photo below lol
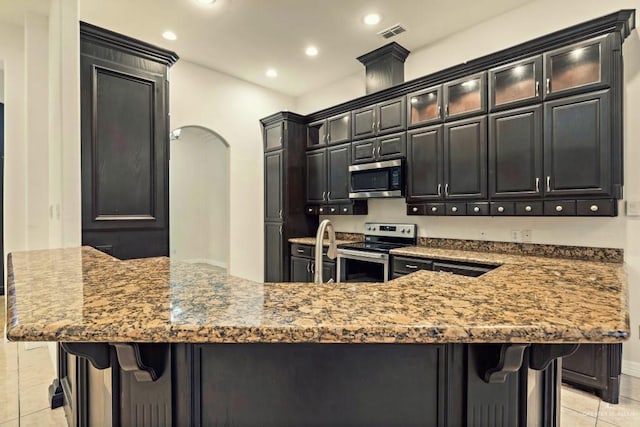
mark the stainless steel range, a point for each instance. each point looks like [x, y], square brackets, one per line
[368, 261]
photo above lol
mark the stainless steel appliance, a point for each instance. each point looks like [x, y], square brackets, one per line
[379, 179]
[368, 261]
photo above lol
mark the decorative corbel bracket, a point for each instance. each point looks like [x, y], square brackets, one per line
[542, 355]
[146, 363]
[509, 360]
[96, 353]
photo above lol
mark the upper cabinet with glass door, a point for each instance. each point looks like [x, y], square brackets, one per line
[515, 84]
[424, 107]
[581, 67]
[465, 97]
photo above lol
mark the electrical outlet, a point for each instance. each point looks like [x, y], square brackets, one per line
[633, 208]
[526, 236]
[516, 236]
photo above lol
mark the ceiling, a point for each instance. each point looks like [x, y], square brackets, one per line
[243, 38]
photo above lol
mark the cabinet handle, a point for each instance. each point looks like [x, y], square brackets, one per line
[323, 194]
[280, 141]
[378, 126]
[373, 151]
[328, 137]
[558, 208]
[548, 184]
[280, 214]
[378, 151]
[594, 208]
[537, 185]
[411, 266]
[548, 85]
[328, 196]
[439, 112]
[537, 88]
[446, 190]
[313, 267]
[446, 110]
[281, 230]
[300, 251]
[309, 267]
[439, 190]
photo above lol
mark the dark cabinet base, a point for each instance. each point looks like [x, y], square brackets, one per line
[334, 384]
[596, 368]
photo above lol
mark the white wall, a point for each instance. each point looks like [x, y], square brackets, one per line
[232, 108]
[199, 197]
[1, 83]
[529, 21]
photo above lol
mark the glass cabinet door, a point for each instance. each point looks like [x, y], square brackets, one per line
[424, 107]
[273, 137]
[515, 84]
[317, 134]
[578, 68]
[339, 128]
[465, 97]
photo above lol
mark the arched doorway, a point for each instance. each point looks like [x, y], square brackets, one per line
[199, 196]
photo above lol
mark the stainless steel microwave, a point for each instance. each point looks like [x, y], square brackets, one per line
[379, 179]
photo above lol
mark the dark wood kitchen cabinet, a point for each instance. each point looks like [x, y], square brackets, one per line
[595, 367]
[465, 159]
[424, 107]
[379, 149]
[515, 84]
[124, 97]
[515, 153]
[328, 175]
[284, 194]
[577, 146]
[379, 119]
[303, 264]
[579, 67]
[273, 136]
[333, 130]
[465, 97]
[425, 158]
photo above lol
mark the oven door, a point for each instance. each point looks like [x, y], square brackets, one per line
[362, 266]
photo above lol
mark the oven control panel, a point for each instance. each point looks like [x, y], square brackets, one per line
[390, 230]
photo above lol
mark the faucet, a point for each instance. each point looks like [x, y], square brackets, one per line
[331, 252]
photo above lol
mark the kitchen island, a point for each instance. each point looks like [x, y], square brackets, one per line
[188, 344]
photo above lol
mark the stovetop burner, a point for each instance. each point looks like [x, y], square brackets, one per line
[384, 237]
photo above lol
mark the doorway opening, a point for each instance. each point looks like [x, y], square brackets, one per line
[199, 196]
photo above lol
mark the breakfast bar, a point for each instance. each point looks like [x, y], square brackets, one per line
[189, 344]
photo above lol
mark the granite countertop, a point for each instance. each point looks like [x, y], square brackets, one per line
[80, 294]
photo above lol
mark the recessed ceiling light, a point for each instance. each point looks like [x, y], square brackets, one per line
[271, 72]
[206, 1]
[311, 51]
[169, 35]
[372, 19]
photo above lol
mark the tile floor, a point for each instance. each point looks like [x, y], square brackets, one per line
[25, 375]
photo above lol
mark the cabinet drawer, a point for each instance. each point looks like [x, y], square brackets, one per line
[502, 208]
[311, 210]
[416, 210]
[409, 265]
[333, 210]
[363, 151]
[605, 207]
[560, 207]
[478, 208]
[529, 208]
[435, 209]
[302, 250]
[345, 210]
[323, 210]
[472, 270]
[456, 208]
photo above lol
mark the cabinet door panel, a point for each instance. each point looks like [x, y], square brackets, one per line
[577, 145]
[515, 153]
[273, 186]
[578, 68]
[390, 116]
[339, 159]
[363, 151]
[466, 97]
[391, 147]
[339, 128]
[273, 137]
[424, 163]
[316, 176]
[515, 84]
[299, 271]
[274, 256]
[424, 107]
[363, 122]
[328, 271]
[465, 159]
[317, 134]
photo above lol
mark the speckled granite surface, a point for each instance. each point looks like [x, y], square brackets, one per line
[80, 294]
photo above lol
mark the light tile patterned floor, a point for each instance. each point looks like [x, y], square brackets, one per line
[25, 376]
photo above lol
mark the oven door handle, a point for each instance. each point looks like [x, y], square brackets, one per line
[363, 256]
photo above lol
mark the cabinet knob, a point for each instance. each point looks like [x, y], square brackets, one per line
[594, 208]
[454, 209]
[321, 210]
[500, 209]
[333, 210]
[310, 210]
[476, 209]
[558, 208]
[527, 208]
[434, 209]
[414, 209]
[345, 209]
